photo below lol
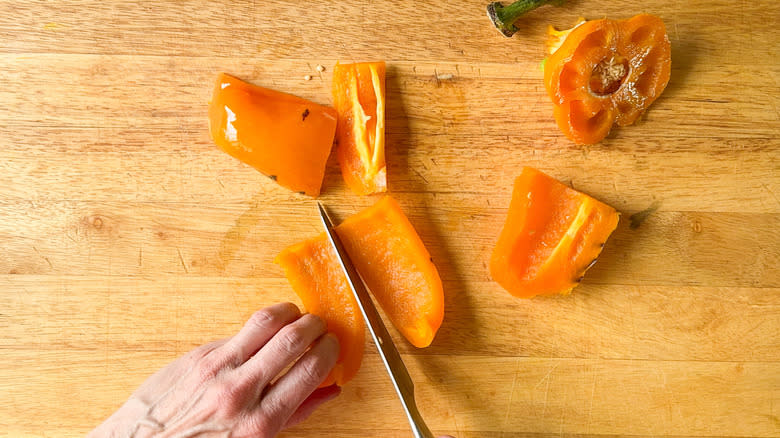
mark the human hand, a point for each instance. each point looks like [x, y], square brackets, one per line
[224, 388]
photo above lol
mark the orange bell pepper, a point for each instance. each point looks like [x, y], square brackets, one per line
[607, 72]
[552, 235]
[283, 136]
[359, 98]
[316, 276]
[396, 268]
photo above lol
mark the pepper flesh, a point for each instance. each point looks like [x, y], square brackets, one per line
[607, 72]
[555, 37]
[316, 277]
[359, 98]
[397, 268]
[552, 235]
[286, 137]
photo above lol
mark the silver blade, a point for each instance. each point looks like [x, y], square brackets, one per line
[387, 351]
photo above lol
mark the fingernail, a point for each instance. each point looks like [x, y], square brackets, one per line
[333, 395]
[294, 307]
[334, 339]
[317, 319]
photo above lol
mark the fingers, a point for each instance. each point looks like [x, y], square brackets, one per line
[312, 402]
[261, 327]
[288, 344]
[289, 392]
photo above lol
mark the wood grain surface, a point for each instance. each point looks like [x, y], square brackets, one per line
[128, 238]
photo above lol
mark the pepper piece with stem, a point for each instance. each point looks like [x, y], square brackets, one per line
[504, 17]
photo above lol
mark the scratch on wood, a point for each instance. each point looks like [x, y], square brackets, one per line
[592, 394]
[43, 256]
[219, 181]
[181, 259]
[669, 395]
[633, 325]
[236, 307]
[771, 193]
[511, 396]
[563, 411]
[141, 257]
[420, 175]
[548, 378]
[240, 230]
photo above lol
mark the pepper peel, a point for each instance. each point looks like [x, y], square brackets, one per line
[285, 137]
[606, 72]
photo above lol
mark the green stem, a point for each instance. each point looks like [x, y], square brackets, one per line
[504, 17]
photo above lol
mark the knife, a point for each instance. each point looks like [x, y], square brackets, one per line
[399, 375]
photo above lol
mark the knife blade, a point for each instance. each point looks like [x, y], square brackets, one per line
[399, 374]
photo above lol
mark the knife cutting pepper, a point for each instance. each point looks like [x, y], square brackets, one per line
[395, 265]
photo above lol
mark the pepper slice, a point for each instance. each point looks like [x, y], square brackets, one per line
[607, 72]
[286, 137]
[552, 235]
[397, 268]
[313, 270]
[359, 98]
[394, 264]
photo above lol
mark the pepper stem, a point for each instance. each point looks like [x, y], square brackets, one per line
[504, 17]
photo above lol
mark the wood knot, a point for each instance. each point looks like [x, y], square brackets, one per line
[94, 222]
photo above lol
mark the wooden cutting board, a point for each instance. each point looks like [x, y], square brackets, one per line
[129, 239]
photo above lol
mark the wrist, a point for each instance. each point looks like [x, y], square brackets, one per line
[131, 419]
